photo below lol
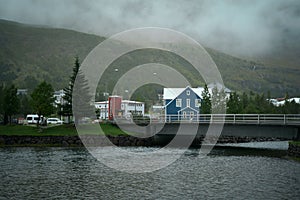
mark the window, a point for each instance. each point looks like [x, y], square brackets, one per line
[188, 102]
[178, 102]
[188, 92]
[197, 103]
[184, 114]
[191, 114]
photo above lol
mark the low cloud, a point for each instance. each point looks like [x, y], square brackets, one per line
[246, 28]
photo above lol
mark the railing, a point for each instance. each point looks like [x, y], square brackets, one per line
[271, 119]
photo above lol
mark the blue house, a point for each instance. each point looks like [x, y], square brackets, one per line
[182, 103]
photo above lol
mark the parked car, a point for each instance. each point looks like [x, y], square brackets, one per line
[54, 121]
[32, 119]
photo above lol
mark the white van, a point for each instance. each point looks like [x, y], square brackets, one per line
[32, 118]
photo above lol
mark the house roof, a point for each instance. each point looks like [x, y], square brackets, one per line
[281, 102]
[123, 101]
[129, 101]
[101, 102]
[171, 93]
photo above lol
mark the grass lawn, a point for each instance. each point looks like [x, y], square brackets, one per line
[295, 143]
[61, 130]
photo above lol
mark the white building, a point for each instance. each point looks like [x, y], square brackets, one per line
[22, 91]
[128, 107]
[281, 101]
[103, 109]
[58, 95]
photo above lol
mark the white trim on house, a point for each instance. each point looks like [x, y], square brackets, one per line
[188, 108]
[171, 93]
[188, 102]
[179, 103]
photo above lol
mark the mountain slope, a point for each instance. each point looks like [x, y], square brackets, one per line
[30, 54]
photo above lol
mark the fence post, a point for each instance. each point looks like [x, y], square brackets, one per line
[284, 120]
[233, 118]
[258, 121]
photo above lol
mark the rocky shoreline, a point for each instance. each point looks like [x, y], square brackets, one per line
[294, 150]
[93, 140]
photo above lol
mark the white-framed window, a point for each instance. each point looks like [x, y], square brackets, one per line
[188, 102]
[183, 114]
[188, 92]
[192, 114]
[178, 102]
[197, 103]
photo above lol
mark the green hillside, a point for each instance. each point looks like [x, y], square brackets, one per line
[30, 54]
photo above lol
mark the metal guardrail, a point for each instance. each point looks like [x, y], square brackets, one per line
[270, 119]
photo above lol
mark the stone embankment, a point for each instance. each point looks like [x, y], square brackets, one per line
[294, 150]
[65, 141]
[93, 140]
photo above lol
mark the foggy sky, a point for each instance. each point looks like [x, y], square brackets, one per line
[239, 27]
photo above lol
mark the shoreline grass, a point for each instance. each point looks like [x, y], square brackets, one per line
[297, 143]
[61, 130]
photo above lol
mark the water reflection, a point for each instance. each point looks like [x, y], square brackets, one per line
[68, 173]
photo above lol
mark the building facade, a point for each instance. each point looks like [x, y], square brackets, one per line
[116, 107]
[182, 103]
[102, 107]
[58, 97]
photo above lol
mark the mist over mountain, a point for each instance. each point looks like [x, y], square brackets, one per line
[30, 54]
[260, 30]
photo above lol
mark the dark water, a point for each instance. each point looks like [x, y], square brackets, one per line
[72, 173]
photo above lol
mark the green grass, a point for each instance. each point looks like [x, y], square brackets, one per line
[110, 129]
[20, 130]
[295, 143]
[62, 130]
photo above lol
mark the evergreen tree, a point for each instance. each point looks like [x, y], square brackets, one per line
[206, 101]
[81, 98]
[43, 100]
[234, 104]
[67, 104]
[11, 103]
[245, 101]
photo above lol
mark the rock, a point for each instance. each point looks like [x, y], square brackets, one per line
[65, 143]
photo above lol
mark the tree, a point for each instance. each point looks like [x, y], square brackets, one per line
[25, 107]
[43, 100]
[11, 103]
[81, 98]
[218, 100]
[206, 101]
[245, 101]
[67, 104]
[234, 104]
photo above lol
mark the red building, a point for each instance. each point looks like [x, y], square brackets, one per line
[114, 106]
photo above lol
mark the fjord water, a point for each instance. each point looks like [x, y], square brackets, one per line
[72, 173]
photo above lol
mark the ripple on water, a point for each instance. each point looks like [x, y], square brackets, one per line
[35, 173]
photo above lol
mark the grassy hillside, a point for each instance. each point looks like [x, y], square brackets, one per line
[30, 54]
